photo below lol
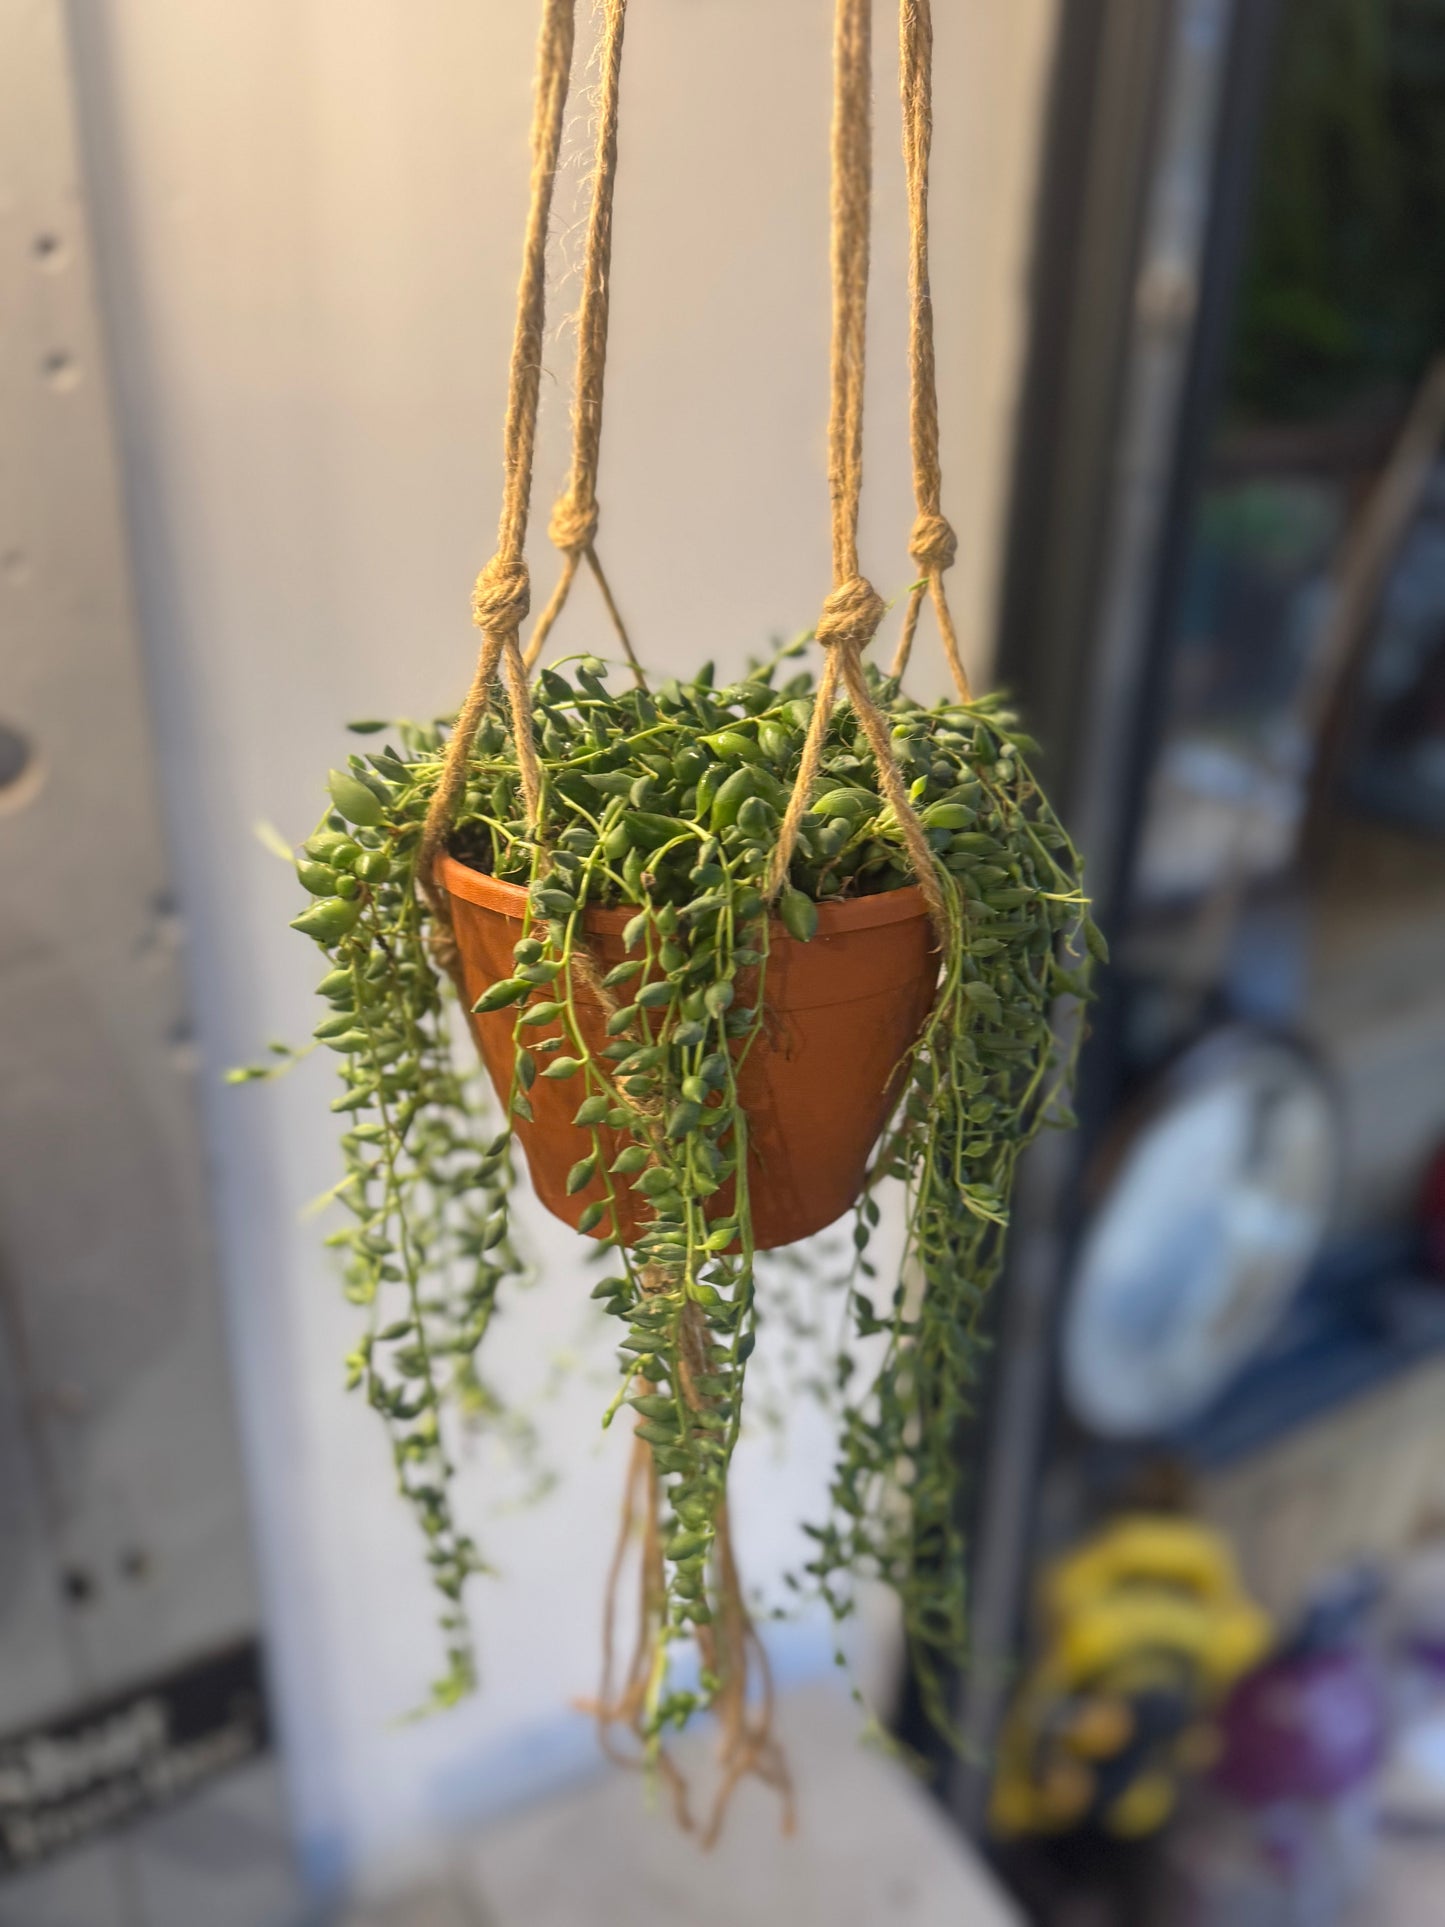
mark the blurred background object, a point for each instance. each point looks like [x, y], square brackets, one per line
[1223, 603]
[1144, 1631]
[1289, 1830]
[255, 283]
[1213, 1202]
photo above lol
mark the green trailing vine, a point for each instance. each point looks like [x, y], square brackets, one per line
[985, 1075]
[668, 801]
[426, 1186]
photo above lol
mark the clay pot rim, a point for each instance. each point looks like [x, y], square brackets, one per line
[509, 900]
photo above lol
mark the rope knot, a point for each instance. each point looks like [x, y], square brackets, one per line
[573, 527]
[932, 543]
[502, 596]
[851, 614]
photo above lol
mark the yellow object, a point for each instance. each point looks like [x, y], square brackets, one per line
[1102, 1727]
[1143, 1806]
[1146, 1627]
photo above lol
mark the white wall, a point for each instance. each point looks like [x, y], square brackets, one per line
[308, 215]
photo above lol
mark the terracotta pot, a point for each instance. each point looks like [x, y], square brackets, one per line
[817, 1084]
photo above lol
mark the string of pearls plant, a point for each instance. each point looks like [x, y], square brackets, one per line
[668, 801]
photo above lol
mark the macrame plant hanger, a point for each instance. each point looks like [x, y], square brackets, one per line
[852, 613]
[853, 609]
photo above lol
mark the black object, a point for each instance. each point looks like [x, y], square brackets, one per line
[87, 1772]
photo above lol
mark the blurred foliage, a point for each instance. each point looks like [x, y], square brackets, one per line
[1344, 293]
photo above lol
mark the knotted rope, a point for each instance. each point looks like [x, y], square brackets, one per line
[932, 544]
[853, 610]
[502, 595]
[573, 527]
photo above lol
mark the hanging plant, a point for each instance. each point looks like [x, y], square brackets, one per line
[735, 958]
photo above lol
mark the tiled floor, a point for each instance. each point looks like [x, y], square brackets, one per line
[870, 1851]
[870, 1848]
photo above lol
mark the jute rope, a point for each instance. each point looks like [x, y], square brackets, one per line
[853, 609]
[573, 527]
[502, 594]
[932, 544]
